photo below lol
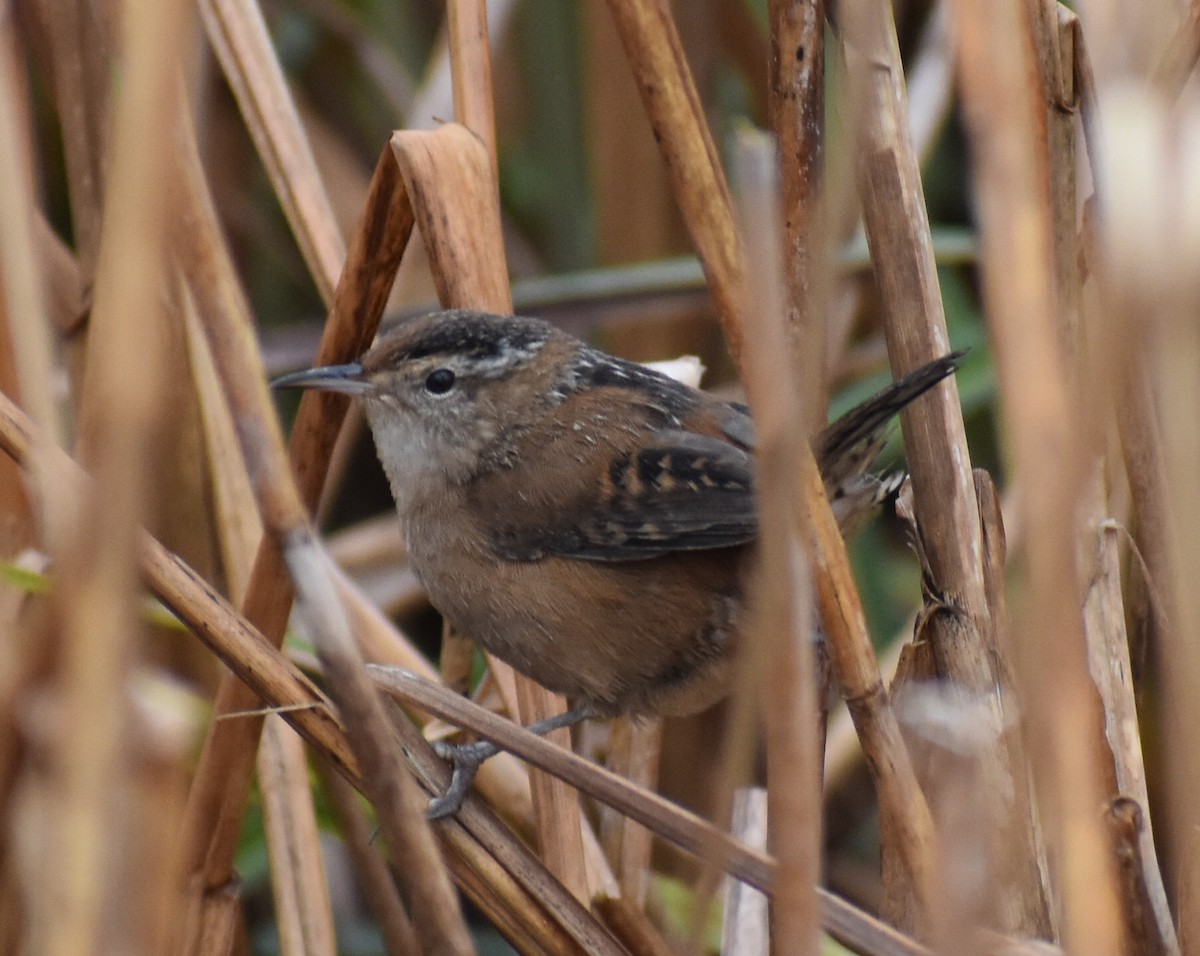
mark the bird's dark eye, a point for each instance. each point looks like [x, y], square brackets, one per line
[440, 381]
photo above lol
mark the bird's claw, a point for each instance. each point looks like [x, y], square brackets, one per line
[465, 759]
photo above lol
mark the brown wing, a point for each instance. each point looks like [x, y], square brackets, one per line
[653, 486]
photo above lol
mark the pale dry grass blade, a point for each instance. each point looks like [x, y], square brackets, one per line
[26, 350]
[669, 97]
[239, 37]
[1004, 114]
[386, 780]
[303, 912]
[471, 71]
[782, 648]
[370, 866]
[746, 929]
[796, 100]
[96, 549]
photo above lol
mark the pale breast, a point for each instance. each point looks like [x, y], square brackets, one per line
[647, 636]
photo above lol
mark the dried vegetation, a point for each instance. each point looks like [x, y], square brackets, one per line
[176, 180]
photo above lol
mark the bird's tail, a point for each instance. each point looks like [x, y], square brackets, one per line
[848, 448]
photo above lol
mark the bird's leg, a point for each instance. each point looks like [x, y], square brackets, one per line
[466, 759]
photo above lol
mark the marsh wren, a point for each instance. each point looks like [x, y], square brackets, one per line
[586, 519]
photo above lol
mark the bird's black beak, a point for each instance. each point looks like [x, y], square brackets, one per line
[350, 379]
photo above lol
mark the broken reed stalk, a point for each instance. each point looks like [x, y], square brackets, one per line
[1094, 361]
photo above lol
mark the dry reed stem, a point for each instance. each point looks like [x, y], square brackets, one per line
[370, 867]
[1122, 355]
[478, 845]
[782, 634]
[676, 115]
[897, 227]
[1004, 112]
[79, 36]
[904, 813]
[422, 874]
[303, 913]
[796, 101]
[426, 885]
[471, 72]
[967, 740]
[459, 220]
[634, 751]
[223, 775]
[745, 927]
[964, 633]
[26, 352]
[298, 877]
[1178, 60]
[1094, 363]
[680, 827]
[652, 45]
[1141, 437]
[95, 547]
[1147, 247]
[239, 37]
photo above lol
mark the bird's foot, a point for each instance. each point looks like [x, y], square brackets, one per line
[465, 761]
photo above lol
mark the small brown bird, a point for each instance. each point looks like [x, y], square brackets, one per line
[586, 519]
